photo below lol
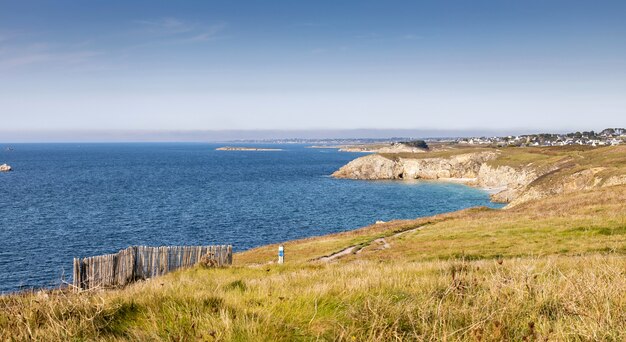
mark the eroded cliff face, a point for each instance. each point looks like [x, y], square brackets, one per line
[514, 185]
[510, 182]
[583, 180]
[370, 167]
[462, 166]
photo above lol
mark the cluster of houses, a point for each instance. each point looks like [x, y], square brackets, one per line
[608, 137]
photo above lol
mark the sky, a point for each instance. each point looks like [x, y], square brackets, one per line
[87, 66]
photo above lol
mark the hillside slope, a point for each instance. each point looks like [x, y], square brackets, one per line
[552, 268]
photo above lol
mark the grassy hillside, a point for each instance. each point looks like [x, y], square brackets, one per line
[553, 269]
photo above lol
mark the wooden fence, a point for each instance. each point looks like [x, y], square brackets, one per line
[141, 262]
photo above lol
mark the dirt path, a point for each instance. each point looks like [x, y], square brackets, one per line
[356, 249]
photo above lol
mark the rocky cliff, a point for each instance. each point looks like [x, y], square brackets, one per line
[469, 168]
[512, 184]
[556, 183]
[462, 166]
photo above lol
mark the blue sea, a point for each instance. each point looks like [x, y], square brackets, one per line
[77, 200]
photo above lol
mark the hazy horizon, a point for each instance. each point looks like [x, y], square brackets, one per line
[105, 136]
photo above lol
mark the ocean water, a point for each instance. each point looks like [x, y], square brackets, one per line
[77, 200]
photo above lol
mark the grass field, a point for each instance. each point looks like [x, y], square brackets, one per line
[552, 269]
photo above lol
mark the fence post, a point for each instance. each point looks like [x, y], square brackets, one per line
[76, 274]
[281, 254]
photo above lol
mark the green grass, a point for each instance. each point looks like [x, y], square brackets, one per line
[550, 269]
[438, 152]
[556, 298]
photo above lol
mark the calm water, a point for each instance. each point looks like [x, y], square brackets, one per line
[66, 200]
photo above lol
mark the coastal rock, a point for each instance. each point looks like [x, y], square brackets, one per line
[5, 168]
[510, 181]
[465, 166]
[462, 166]
[370, 167]
[578, 181]
[473, 169]
[508, 184]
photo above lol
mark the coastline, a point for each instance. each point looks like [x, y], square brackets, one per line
[511, 175]
[458, 267]
[473, 183]
[347, 211]
[253, 149]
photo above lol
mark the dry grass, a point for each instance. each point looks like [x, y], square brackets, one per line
[553, 269]
[583, 222]
[439, 152]
[549, 298]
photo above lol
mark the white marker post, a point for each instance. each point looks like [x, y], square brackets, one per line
[281, 254]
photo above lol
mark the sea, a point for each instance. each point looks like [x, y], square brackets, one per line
[77, 200]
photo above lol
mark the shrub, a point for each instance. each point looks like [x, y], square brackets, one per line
[416, 143]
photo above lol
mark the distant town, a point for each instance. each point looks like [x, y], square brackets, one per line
[606, 137]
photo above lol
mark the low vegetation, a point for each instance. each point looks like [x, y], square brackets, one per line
[415, 143]
[530, 298]
[552, 269]
[437, 151]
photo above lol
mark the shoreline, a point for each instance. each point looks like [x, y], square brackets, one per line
[472, 183]
[66, 287]
[471, 244]
[468, 168]
[509, 175]
[467, 181]
[253, 149]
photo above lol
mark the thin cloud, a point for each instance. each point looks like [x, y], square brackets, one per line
[211, 33]
[43, 54]
[17, 61]
[166, 26]
[410, 37]
[173, 30]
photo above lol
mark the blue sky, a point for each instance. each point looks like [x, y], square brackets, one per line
[210, 65]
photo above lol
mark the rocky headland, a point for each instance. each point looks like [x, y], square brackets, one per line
[390, 148]
[374, 148]
[237, 148]
[539, 174]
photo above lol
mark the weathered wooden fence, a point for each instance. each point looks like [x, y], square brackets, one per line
[141, 262]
